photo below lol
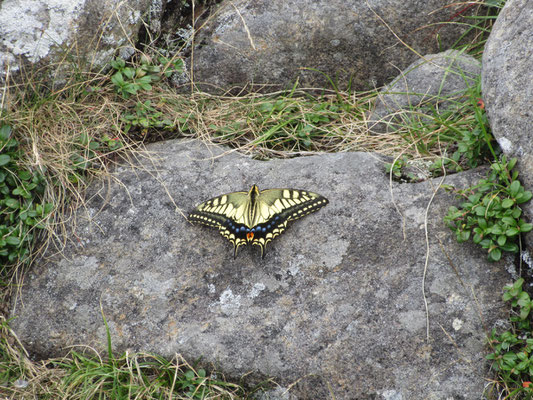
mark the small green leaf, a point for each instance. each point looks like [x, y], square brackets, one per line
[496, 230]
[509, 221]
[129, 72]
[84, 139]
[514, 188]
[518, 284]
[144, 80]
[12, 240]
[480, 211]
[4, 159]
[486, 243]
[48, 207]
[524, 299]
[5, 132]
[18, 191]
[24, 175]
[511, 232]
[117, 79]
[523, 197]
[118, 63]
[130, 88]
[508, 203]
[495, 254]
[525, 227]
[516, 212]
[482, 222]
[12, 203]
[510, 357]
[463, 236]
[524, 312]
[522, 365]
[507, 296]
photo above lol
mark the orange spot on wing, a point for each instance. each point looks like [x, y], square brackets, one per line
[250, 236]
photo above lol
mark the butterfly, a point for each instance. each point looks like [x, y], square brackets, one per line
[256, 217]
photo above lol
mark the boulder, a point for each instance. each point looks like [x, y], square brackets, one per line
[46, 33]
[507, 84]
[354, 42]
[433, 82]
[337, 305]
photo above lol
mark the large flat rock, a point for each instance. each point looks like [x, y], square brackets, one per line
[352, 42]
[337, 302]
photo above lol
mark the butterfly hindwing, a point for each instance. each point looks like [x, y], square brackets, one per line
[256, 217]
[279, 206]
[212, 213]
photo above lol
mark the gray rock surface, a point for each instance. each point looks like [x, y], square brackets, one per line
[337, 303]
[40, 32]
[434, 81]
[274, 42]
[507, 83]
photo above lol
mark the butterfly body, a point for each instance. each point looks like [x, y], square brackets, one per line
[256, 217]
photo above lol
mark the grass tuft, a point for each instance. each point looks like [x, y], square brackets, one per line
[89, 376]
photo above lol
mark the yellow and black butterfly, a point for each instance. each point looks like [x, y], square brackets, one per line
[255, 216]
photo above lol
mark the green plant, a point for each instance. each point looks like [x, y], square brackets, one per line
[294, 124]
[9, 371]
[145, 116]
[136, 376]
[512, 350]
[473, 148]
[86, 151]
[130, 80]
[170, 66]
[465, 133]
[491, 214]
[21, 211]
[398, 168]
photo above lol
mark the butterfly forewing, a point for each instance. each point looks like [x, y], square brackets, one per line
[256, 217]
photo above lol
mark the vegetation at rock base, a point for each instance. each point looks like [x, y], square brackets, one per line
[52, 144]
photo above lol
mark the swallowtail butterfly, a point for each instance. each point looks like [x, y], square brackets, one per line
[256, 217]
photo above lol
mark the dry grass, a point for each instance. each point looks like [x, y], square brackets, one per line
[88, 375]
